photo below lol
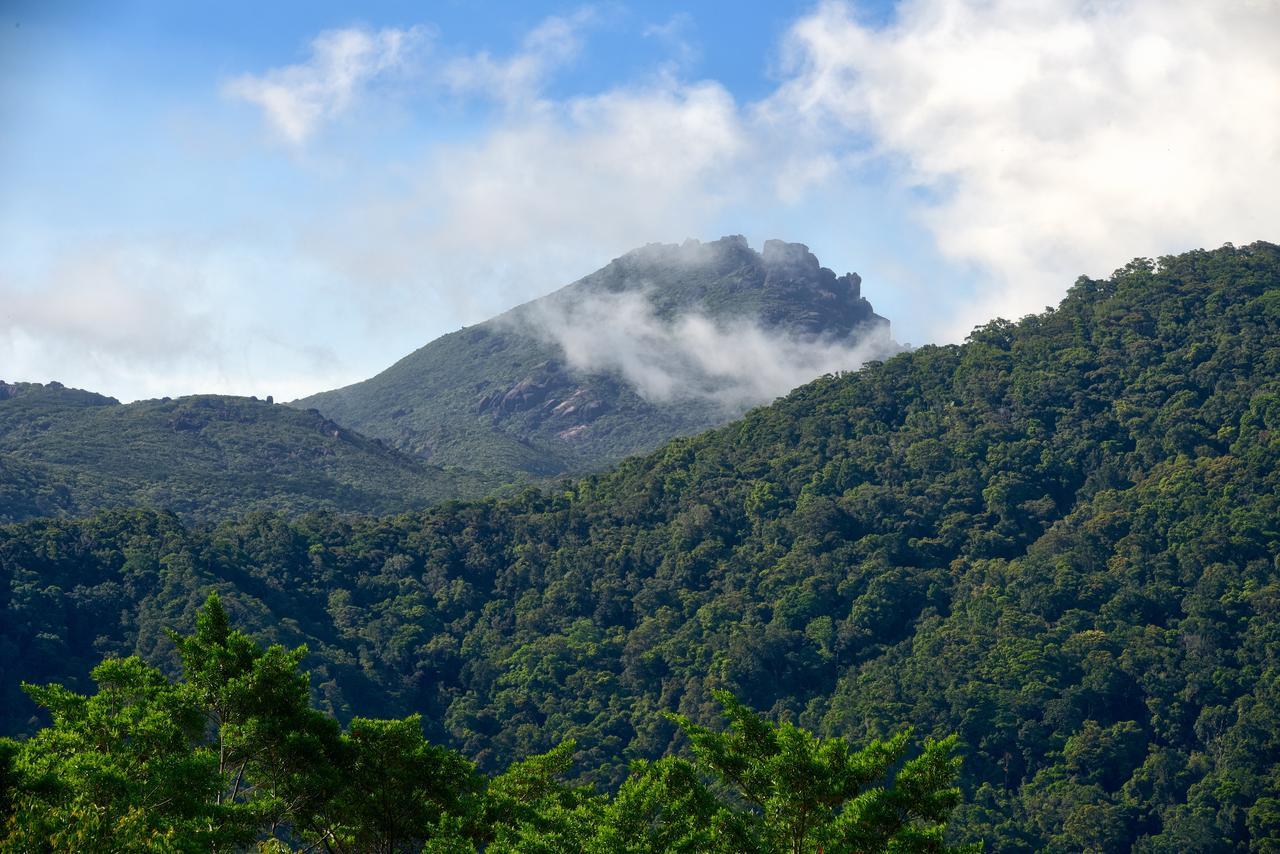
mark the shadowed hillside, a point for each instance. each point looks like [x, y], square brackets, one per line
[69, 451]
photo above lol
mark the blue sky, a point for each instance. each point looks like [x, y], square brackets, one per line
[281, 198]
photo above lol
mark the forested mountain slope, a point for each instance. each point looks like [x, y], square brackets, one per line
[67, 451]
[618, 362]
[1059, 540]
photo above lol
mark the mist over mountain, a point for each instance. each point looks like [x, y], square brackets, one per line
[664, 341]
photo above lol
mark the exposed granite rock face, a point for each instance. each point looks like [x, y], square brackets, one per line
[551, 398]
[778, 255]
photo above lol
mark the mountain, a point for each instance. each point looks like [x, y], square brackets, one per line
[67, 451]
[665, 341]
[1058, 540]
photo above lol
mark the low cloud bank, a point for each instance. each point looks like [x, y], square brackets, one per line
[735, 364]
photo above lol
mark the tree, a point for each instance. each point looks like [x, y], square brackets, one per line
[123, 769]
[664, 807]
[398, 791]
[529, 809]
[785, 790]
[278, 759]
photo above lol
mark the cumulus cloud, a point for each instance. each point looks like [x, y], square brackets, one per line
[693, 357]
[1055, 137]
[296, 99]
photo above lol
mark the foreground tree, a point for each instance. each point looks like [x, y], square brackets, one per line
[279, 760]
[398, 792]
[754, 788]
[124, 769]
[234, 756]
[782, 789]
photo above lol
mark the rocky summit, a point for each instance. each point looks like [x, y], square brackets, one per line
[665, 341]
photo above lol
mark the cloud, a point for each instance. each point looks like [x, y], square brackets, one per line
[137, 319]
[107, 317]
[692, 357]
[597, 167]
[107, 302]
[547, 195]
[674, 33]
[517, 79]
[296, 99]
[1051, 138]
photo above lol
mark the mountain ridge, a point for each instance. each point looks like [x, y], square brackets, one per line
[68, 451]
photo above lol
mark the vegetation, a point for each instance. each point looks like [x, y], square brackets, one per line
[1057, 541]
[233, 755]
[66, 451]
[497, 398]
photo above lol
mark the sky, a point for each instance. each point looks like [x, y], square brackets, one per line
[276, 199]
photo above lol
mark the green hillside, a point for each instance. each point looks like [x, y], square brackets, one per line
[66, 451]
[501, 398]
[1058, 540]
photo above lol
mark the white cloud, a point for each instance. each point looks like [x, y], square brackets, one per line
[296, 99]
[103, 313]
[137, 319]
[598, 168]
[1056, 137]
[545, 196]
[691, 357]
[675, 34]
[100, 302]
[517, 79]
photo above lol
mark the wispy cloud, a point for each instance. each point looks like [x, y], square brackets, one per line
[297, 99]
[544, 195]
[675, 33]
[148, 318]
[104, 301]
[104, 312]
[517, 79]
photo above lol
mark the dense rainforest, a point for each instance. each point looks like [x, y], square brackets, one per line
[1059, 540]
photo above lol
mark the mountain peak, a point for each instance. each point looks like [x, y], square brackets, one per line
[665, 340]
[782, 287]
